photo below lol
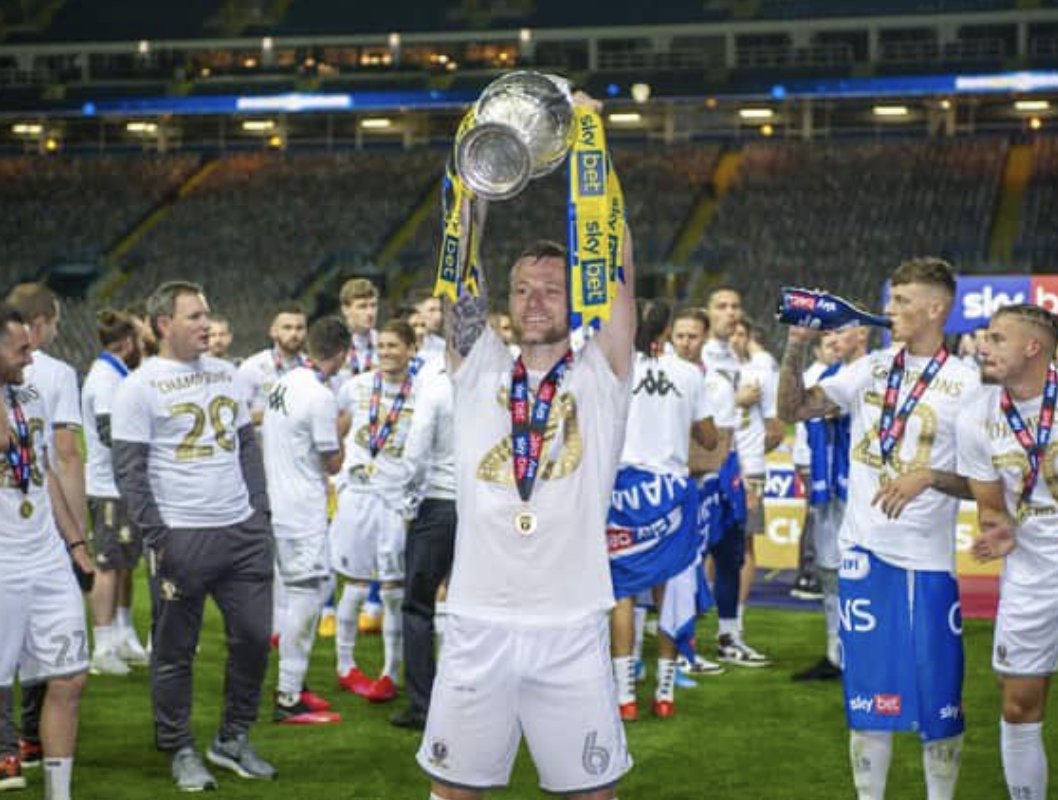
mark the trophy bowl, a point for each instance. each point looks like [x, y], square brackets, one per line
[523, 125]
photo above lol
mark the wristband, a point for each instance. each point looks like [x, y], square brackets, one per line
[79, 543]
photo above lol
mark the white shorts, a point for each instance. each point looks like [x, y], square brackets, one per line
[496, 682]
[826, 525]
[367, 538]
[42, 633]
[1026, 634]
[300, 559]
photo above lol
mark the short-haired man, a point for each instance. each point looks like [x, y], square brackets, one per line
[220, 335]
[429, 308]
[901, 627]
[301, 448]
[43, 636]
[359, 303]
[530, 580]
[1008, 453]
[260, 371]
[188, 465]
[116, 542]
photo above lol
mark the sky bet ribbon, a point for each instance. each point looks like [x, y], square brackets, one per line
[19, 455]
[890, 429]
[593, 269]
[1038, 449]
[527, 429]
[377, 438]
[458, 242]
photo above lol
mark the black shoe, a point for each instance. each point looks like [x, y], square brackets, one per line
[822, 670]
[807, 588]
[409, 718]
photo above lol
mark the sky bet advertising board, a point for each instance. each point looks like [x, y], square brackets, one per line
[977, 297]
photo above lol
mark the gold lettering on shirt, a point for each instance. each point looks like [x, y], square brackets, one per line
[498, 467]
[868, 451]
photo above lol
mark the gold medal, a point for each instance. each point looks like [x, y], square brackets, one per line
[525, 522]
[26, 509]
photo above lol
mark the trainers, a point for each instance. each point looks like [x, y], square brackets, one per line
[701, 666]
[382, 691]
[11, 777]
[328, 626]
[663, 709]
[107, 662]
[239, 756]
[313, 700]
[355, 681]
[410, 718]
[822, 670]
[684, 681]
[190, 774]
[807, 588]
[735, 651]
[31, 754]
[629, 711]
[299, 713]
[131, 651]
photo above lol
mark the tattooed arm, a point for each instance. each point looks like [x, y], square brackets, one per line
[795, 403]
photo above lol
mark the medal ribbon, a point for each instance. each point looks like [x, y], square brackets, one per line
[377, 438]
[19, 454]
[890, 427]
[527, 429]
[354, 357]
[115, 362]
[1035, 450]
[277, 358]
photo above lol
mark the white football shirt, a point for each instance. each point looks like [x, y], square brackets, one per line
[923, 537]
[189, 414]
[561, 570]
[28, 543]
[802, 456]
[668, 397]
[259, 373]
[988, 451]
[97, 399]
[751, 431]
[57, 382]
[431, 439]
[300, 426]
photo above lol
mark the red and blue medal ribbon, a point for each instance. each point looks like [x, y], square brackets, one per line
[377, 437]
[892, 424]
[354, 357]
[19, 454]
[115, 362]
[528, 426]
[1037, 449]
[277, 358]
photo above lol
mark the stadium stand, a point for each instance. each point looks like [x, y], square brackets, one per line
[1038, 234]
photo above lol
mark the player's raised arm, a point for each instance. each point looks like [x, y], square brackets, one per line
[617, 337]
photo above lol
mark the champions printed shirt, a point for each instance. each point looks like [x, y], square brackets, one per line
[923, 537]
[189, 414]
[989, 451]
[300, 425]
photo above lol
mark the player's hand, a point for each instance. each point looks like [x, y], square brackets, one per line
[795, 334]
[584, 100]
[749, 394]
[997, 538]
[894, 496]
[83, 568]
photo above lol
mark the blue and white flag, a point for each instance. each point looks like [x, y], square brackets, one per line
[652, 529]
[686, 596]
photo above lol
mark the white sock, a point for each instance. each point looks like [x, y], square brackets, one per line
[392, 631]
[372, 609]
[738, 619]
[624, 672]
[829, 579]
[940, 762]
[870, 753]
[123, 619]
[729, 627]
[666, 680]
[639, 620]
[1024, 759]
[296, 636]
[57, 772]
[279, 602]
[353, 596]
[103, 639]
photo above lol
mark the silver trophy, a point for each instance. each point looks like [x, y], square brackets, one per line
[523, 128]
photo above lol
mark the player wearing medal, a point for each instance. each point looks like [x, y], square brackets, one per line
[43, 636]
[368, 531]
[187, 463]
[652, 529]
[259, 372]
[1008, 452]
[359, 303]
[901, 627]
[301, 448]
[527, 646]
[116, 542]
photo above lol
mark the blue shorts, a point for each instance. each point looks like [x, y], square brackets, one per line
[901, 641]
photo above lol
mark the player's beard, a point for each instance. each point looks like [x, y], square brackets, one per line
[552, 335]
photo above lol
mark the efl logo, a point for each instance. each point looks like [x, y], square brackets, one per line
[855, 566]
[887, 705]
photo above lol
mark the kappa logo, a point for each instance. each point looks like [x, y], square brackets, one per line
[659, 385]
[1001, 655]
[277, 399]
